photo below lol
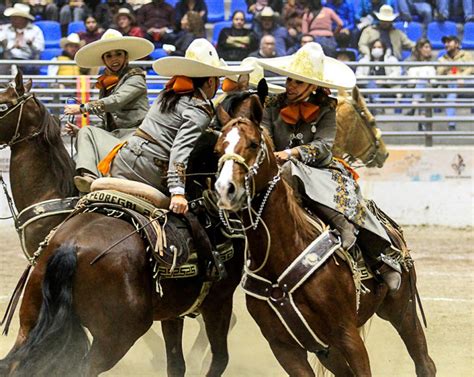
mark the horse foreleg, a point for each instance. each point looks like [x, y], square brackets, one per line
[173, 335]
[352, 347]
[217, 317]
[293, 359]
[335, 363]
[401, 312]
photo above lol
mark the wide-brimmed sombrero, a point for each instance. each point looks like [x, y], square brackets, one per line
[386, 13]
[200, 60]
[73, 39]
[90, 55]
[19, 10]
[310, 65]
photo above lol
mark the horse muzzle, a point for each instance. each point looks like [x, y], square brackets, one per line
[231, 196]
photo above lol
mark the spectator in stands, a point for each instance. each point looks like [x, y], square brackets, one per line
[294, 25]
[293, 7]
[256, 6]
[235, 43]
[454, 53]
[93, 31]
[70, 45]
[345, 10]
[75, 10]
[192, 27]
[318, 21]
[344, 55]
[44, 10]
[184, 6]
[267, 48]
[422, 8]
[21, 39]
[105, 12]
[365, 13]
[267, 22]
[422, 52]
[156, 18]
[458, 8]
[378, 53]
[126, 23]
[394, 39]
[305, 38]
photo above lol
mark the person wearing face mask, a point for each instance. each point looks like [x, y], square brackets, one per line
[122, 102]
[158, 153]
[378, 53]
[396, 40]
[302, 125]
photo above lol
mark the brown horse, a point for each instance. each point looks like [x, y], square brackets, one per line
[277, 232]
[115, 298]
[358, 140]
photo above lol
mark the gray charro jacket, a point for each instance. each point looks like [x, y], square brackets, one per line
[127, 103]
[313, 140]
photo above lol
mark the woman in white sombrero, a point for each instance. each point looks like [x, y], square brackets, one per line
[122, 103]
[302, 124]
[162, 144]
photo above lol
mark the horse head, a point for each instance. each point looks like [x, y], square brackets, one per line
[16, 111]
[357, 134]
[247, 164]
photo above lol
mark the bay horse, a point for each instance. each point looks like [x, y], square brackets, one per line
[278, 231]
[114, 298]
[358, 140]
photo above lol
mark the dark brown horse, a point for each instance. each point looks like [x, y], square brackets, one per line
[278, 231]
[115, 298]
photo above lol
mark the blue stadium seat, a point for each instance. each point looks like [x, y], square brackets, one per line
[158, 53]
[437, 30]
[240, 5]
[352, 50]
[216, 11]
[413, 30]
[76, 27]
[405, 54]
[468, 40]
[218, 26]
[172, 2]
[51, 31]
[48, 54]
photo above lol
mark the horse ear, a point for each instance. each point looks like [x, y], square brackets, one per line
[356, 94]
[262, 90]
[222, 116]
[19, 83]
[28, 85]
[256, 109]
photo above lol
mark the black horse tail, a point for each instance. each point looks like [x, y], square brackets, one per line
[58, 344]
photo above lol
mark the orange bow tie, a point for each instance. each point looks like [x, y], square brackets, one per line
[107, 82]
[293, 113]
[180, 84]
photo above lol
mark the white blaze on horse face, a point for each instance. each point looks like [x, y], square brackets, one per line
[226, 175]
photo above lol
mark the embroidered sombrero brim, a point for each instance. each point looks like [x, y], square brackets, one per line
[90, 55]
[177, 65]
[336, 74]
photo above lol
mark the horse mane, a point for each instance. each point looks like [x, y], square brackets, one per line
[59, 161]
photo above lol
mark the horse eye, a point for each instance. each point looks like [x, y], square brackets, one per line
[253, 145]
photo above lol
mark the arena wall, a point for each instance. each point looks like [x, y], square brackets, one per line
[416, 186]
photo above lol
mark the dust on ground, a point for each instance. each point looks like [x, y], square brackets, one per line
[444, 262]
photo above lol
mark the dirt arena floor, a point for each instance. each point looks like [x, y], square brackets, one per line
[444, 262]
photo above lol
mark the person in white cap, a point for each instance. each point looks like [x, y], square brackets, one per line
[302, 124]
[69, 45]
[396, 40]
[21, 39]
[164, 141]
[122, 102]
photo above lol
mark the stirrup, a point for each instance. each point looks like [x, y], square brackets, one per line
[215, 270]
[391, 277]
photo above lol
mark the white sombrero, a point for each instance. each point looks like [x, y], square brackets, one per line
[90, 55]
[200, 60]
[19, 10]
[310, 65]
[73, 39]
[386, 13]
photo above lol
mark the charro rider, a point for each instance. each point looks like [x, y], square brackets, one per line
[161, 146]
[302, 124]
[122, 103]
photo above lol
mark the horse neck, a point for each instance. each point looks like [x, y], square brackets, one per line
[285, 234]
[354, 133]
[32, 178]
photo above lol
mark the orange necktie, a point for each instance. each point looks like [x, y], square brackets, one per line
[293, 113]
[107, 82]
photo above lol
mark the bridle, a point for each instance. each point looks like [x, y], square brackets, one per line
[6, 108]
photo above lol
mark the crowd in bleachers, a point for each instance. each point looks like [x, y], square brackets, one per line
[364, 30]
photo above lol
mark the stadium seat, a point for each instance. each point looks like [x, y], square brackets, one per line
[51, 31]
[350, 50]
[48, 54]
[216, 11]
[437, 30]
[240, 5]
[413, 30]
[158, 53]
[172, 2]
[405, 54]
[218, 26]
[76, 27]
[468, 40]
